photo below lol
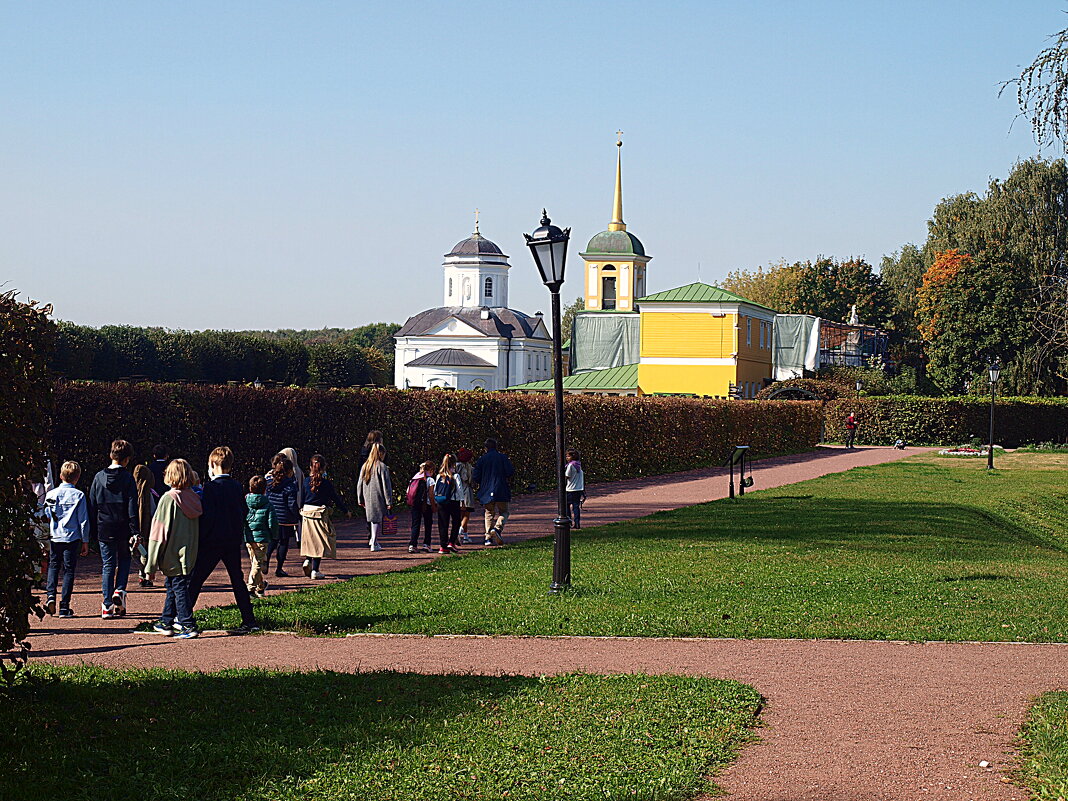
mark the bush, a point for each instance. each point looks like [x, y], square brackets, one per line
[948, 421]
[619, 437]
[26, 339]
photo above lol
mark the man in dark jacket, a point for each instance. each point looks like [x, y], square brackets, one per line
[113, 523]
[492, 473]
[222, 535]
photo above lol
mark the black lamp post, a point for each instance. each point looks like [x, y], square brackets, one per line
[995, 374]
[860, 386]
[548, 245]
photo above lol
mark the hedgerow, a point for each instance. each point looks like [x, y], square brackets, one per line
[26, 339]
[618, 437]
[948, 421]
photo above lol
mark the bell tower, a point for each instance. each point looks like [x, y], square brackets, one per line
[615, 260]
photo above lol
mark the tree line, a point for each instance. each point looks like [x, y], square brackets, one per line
[990, 281]
[345, 358]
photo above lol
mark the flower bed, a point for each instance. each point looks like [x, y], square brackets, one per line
[968, 450]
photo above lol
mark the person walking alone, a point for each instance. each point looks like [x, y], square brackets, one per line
[374, 492]
[851, 430]
[492, 473]
[575, 488]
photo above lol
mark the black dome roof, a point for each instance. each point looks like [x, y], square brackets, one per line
[475, 245]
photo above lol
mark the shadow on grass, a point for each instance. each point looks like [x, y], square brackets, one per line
[219, 735]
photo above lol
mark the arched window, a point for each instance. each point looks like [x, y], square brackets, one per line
[450, 287]
[489, 287]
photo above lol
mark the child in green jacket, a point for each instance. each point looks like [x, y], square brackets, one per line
[261, 529]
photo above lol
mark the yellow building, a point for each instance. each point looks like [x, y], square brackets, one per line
[694, 340]
[702, 340]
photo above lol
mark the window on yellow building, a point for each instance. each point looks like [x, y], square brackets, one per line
[748, 330]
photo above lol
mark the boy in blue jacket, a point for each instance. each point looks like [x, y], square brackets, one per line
[68, 520]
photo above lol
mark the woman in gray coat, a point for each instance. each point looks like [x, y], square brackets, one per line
[374, 492]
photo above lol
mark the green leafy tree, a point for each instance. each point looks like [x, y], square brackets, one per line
[567, 319]
[775, 286]
[135, 352]
[902, 275]
[1017, 236]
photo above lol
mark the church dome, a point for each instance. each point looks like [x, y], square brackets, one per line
[612, 242]
[475, 245]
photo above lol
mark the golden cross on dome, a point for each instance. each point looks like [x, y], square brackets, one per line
[619, 138]
[476, 221]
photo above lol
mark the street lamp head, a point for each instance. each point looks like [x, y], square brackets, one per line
[995, 371]
[860, 385]
[548, 246]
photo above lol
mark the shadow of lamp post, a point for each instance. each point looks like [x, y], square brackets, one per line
[548, 246]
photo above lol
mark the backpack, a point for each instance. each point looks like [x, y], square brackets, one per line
[413, 490]
[443, 489]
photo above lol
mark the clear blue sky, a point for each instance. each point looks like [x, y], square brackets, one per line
[306, 164]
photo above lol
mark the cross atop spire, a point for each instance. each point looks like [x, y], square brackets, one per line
[617, 223]
[476, 223]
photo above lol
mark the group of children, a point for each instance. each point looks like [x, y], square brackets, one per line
[184, 528]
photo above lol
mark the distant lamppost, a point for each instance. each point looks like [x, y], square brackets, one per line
[860, 386]
[995, 374]
[257, 384]
[548, 245]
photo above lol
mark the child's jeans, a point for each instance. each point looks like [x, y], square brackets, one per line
[257, 553]
[280, 546]
[179, 603]
[422, 516]
[65, 555]
[116, 558]
[574, 503]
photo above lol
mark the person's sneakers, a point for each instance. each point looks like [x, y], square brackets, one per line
[166, 629]
[425, 548]
[50, 606]
[465, 538]
[186, 634]
[495, 536]
[106, 612]
[443, 550]
[245, 628]
[488, 542]
[452, 548]
[279, 573]
[118, 602]
[143, 583]
[317, 576]
[411, 549]
[66, 612]
[307, 568]
[376, 547]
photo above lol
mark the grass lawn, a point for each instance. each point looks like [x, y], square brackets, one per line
[91, 733]
[926, 548]
[1044, 748]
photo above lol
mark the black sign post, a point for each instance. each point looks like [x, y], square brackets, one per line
[738, 457]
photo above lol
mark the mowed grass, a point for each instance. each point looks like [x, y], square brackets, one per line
[90, 733]
[1044, 748]
[926, 548]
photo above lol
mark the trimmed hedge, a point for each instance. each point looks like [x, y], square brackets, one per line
[26, 339]
[948, 421]
[618, 437]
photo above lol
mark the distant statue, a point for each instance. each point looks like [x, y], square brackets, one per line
[854, 319]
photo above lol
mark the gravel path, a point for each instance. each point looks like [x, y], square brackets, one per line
[844, 720]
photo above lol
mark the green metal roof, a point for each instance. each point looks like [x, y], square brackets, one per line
[615, 243]
[614, 378]
[698, 293]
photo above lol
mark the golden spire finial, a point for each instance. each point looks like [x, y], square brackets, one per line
[617, 223]
[476, 223]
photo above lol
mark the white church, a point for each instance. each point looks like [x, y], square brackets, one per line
[473, 341]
